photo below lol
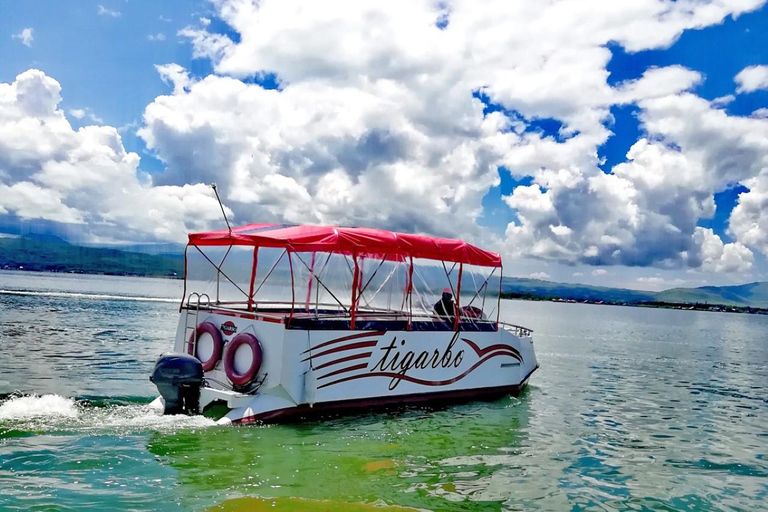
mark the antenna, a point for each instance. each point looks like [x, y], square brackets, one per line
[213, 186]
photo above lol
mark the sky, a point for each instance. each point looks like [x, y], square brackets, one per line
[611, 143]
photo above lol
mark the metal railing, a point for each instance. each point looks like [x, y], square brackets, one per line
[195, 302]
[517, 330]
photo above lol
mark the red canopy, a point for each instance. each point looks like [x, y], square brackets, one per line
[349, 241]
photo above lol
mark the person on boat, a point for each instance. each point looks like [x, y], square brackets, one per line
[445, 307]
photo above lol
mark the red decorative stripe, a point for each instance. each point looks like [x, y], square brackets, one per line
[351, 346]
[408, 378]
[380, 403]
[344, 370]
[483, 351]
[346, 338]
[511, 354]
[248, 316]
[342, 360]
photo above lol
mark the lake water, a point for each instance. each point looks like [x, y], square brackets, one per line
[632, 409]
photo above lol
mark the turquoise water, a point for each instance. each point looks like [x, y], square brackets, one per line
[632, 409]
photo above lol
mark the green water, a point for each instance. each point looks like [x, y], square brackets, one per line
[632, 409]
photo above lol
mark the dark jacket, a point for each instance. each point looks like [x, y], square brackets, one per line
[446, 310]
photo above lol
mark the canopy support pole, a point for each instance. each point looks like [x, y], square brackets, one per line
[270, 271]
[184, 292]
[293, 288]
[498, 301]
[355, 284]
[457, 312]
[254, 264]
[309, 284]
[219, 271]
[316, 278]
[409, 294]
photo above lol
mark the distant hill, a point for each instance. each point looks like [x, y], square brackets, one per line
[159, 249]
[752, 294]
[548, 289]
[52, 254]
[47, 254]
[39, 237]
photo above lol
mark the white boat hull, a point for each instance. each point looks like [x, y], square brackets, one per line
[315, 372]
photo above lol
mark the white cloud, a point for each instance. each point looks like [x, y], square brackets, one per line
[156, 37]
[165, 19]
[723, 100]
[26, 36]
[81, 113]
[175, 75]
[206, 45]
[646, 211]
[400, 90]
[658, 83]
[749, 219]
[599, 272]
[656, 283]
[540, 275]
[313, 153]
[50, 171]
[375, 123]
[103, 11]
[30, 201]
[719, 257]
[752, 78]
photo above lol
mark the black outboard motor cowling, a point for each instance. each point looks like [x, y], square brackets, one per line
[179, 377]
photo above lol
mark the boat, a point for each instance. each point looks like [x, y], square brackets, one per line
[284, 322]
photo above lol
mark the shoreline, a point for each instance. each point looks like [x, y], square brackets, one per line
[174, 277]
[683, 306]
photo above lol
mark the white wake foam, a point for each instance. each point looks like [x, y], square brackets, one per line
[97, 296]
[58, 413]
[32, 407]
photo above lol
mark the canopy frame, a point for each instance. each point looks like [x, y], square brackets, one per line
[356, 244]
[349, 241]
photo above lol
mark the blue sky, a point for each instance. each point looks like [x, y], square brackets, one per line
[104, 62]
[719, 52]
[104, 57]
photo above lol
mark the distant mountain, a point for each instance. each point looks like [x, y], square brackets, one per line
[752, 294]
[53, 254]
[158, 249]
[547, 289]
[49, 239]
[59, 256]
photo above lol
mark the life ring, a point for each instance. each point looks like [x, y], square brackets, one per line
[236, 371]
[207, 333]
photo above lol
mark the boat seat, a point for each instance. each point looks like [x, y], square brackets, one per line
[332, 324]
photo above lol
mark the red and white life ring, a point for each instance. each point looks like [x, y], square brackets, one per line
[242, 359]
[208, 347]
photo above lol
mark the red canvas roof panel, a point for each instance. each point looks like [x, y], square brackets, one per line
[349, 241]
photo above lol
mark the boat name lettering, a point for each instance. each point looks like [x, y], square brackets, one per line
[397, 359]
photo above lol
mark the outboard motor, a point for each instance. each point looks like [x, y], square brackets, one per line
[179, 377]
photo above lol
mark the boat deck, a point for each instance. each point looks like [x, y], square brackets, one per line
[335, 320]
